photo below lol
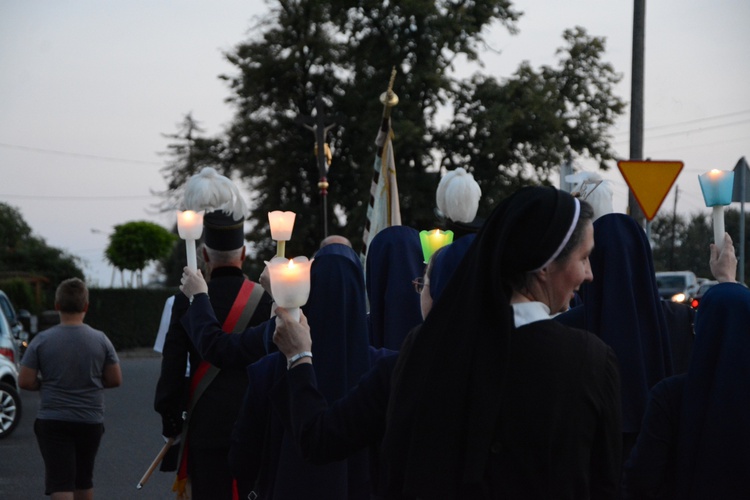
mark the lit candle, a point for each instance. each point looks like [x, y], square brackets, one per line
[281, 224]
[434, 240]
[190, 228]
[716, 186]
[290, 282]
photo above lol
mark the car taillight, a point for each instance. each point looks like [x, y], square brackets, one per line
[694, 303]
[8, 353]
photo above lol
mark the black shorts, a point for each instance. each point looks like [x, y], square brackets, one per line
[68, 450]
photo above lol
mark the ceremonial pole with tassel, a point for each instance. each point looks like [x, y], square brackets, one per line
[383, 209]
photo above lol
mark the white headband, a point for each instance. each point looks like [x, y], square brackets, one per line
[565, 240]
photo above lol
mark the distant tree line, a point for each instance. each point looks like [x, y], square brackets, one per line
[682, 242]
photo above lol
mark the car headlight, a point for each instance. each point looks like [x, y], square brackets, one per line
[679, 297]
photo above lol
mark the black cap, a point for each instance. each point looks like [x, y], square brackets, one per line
[222, 232]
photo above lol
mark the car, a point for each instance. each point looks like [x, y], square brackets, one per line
[10, 401]
[19, 334]
[677, 286]
[705, 286]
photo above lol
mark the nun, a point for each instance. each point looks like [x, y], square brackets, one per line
[394, 259]
[623, 308]
[490, 397]
[695, 440]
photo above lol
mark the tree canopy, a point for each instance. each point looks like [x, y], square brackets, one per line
[507, 133]
[134, 244]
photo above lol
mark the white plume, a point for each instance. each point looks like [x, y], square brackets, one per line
[458, 195]
[210, 191]
[594, 189]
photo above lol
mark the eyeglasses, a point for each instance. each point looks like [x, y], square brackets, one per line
[419, 284]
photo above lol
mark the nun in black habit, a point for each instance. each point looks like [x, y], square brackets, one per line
[492, 399]
[695, 441]
[623, 308]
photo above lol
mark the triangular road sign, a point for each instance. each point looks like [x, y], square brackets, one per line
[650, 181]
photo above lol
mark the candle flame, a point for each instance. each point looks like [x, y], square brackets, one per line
[291, 263]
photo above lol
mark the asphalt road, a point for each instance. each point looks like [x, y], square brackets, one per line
[131, 440]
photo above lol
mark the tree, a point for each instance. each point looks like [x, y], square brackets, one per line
[134, 244]
[23, 254]
[509, 134]
[520, 131]
[190, 152]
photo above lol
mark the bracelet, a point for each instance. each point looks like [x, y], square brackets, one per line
[304, 354]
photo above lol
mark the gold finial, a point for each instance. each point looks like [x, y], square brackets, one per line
[389, 97]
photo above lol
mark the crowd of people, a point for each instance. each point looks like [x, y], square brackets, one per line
[535, 360]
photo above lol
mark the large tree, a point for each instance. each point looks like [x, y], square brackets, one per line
[507, 133]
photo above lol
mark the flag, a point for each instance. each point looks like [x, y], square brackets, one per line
[383, 208]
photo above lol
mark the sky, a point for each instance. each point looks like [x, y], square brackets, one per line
[89, 88]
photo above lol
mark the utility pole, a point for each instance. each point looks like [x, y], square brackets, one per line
[674, 226]
[636, 98]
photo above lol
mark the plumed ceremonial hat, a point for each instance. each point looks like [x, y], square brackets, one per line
[597, 191]
[458, 196]
[225, 210]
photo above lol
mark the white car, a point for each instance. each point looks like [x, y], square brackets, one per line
[10, 401]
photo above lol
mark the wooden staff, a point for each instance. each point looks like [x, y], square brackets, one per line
[155, 463]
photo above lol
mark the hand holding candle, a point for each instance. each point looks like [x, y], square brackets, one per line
[290, 282]
[281, 224]
[190, 228]
[716, 186]
[434, 240]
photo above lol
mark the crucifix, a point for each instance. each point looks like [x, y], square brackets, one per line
[317, 124]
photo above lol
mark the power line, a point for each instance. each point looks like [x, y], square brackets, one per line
[79, 155]
[690, 122]
[77, 198]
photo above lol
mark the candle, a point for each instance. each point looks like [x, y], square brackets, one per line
[716, 186]
[190, 228]
[281, 224]
[290, 282]
[434, 240]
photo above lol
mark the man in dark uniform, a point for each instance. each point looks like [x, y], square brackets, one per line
[210, 397]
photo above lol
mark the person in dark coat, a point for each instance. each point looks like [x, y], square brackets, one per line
[622, 307]
[263, 452]
[213, 410]
[695, 440]
[394, 259]
[492, 399]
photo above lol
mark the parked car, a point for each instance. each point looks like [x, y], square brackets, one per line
[677, 286]
[18, 332]
[10, 401]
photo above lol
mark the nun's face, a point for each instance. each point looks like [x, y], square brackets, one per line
[565, 277]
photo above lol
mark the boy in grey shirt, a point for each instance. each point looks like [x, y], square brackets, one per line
[71, 364]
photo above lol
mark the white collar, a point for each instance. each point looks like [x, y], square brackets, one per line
[529, 312]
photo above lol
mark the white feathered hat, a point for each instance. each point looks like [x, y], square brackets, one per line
[458, 196]
[590, 186]
[225, 210]
[211, 191]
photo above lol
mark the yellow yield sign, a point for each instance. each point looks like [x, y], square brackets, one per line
[650, 181]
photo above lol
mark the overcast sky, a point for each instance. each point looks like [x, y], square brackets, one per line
[87, 88]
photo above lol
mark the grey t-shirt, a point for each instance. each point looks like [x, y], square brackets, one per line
[71, 360]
